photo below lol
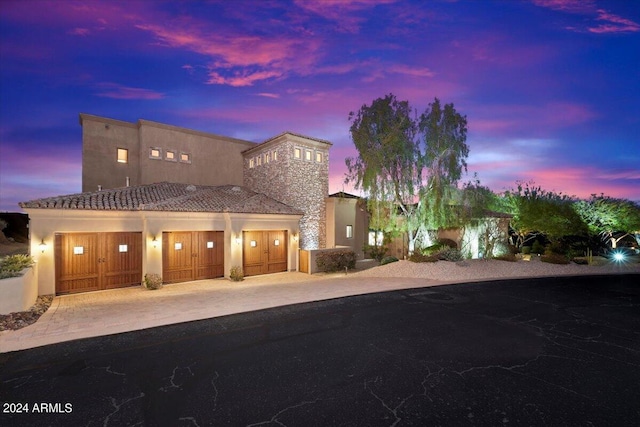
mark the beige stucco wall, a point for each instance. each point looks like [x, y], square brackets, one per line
[340, 213]
[215, 159]
[19, 293]
[45, 223]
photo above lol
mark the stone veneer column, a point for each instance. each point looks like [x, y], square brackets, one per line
[299, 183]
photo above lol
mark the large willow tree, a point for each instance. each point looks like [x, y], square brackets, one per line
[407, 165]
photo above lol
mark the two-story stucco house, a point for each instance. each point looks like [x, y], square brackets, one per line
[180, 203]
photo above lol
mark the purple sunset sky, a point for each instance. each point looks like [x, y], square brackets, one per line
[550, 88]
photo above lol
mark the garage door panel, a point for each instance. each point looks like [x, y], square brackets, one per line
[123, 260]
[192, 255]
[264, 252]
[95, 261]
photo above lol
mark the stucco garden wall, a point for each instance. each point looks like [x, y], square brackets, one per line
[19, 293]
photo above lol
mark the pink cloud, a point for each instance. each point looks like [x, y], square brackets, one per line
[573, 6]
[116, 91]
[615, 24]
[79, 32]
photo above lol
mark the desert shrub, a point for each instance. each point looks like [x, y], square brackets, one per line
[430, 250]
[375, 252]
[336, 260]
[12, 265]
[236, 273]
[152, 281]
[537, 248]
[581, 261]
[554, 259]
[506, 257]
[418, 256]
[388, 260]
[526, 250]
[450, 254]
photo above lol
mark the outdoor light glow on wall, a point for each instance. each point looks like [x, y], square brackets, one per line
[154, 242]
[42, 246]
[294, 235]
[238, 238]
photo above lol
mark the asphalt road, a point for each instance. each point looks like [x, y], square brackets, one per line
[551, 352]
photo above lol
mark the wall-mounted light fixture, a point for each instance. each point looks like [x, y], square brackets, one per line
[154, 242]
[294, 236]
[238, 238]
[42, 246]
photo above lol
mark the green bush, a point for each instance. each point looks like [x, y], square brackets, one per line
[430, 250]
[236, 274]
[526, 250]
[152, 281]
[554, 259]
[12, 265]
[450, 254]
[418, 256]
[375, 252]
[388, 260]
[336, 260]
[537, 248]
[506, 257]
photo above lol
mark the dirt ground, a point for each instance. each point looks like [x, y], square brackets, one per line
[13, 248]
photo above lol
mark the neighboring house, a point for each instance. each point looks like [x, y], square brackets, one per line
[347, 222]
[180, 203]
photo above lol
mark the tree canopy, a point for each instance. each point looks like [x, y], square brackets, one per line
[412, 163]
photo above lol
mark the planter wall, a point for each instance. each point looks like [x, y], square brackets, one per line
[19, 293]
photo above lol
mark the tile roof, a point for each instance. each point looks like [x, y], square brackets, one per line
[167, 196]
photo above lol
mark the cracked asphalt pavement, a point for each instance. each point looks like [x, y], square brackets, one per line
[561, 351]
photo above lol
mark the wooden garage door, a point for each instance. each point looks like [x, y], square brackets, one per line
[264, 252]
[192, 255]
[96, 261]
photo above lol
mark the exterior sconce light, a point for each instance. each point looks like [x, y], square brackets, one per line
[42, 246]
[238, 238]
[154, 242]
[295, 236]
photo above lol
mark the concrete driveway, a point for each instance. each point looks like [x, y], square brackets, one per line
[93, 314]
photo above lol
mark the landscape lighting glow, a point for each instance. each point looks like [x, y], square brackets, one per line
[618, 256]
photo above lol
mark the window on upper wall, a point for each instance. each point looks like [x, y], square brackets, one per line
[274, 155]
[155, 153]
[258, 160]
[349, 232]
[318, 157]
[266, 158]
[252, 163]
[123, 155]
[307, 155]
[185, 157]
[297, 153]
[171, 156]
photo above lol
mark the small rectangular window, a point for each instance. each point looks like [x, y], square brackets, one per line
[155, 153]
[170, 156]
[297, 153]
[349, 231]
[123, 248]
[266, 158]
[275, 156]
[209, 245]
[307, 155]
[318, 157]
[123, 155]
[251, 163]
[259, 160]
[178, 246]
[185, 157]
[78, 250]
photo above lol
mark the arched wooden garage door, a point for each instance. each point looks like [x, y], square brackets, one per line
[264, 252]
[192, 255]
[96, 261]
